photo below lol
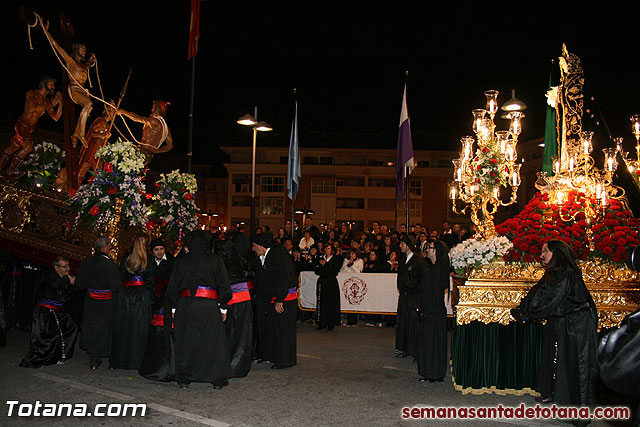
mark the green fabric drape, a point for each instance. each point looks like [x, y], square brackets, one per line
[550, 135]
[496, 357]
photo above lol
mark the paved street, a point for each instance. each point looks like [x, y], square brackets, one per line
[348, 377]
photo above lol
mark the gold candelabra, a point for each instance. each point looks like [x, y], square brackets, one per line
[632, 165]
[479, 174]
[575, 172]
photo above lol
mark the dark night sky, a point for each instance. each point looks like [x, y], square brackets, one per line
[347, 65]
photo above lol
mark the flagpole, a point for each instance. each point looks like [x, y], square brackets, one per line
[190, 139]
[406, 173]
[406, 194]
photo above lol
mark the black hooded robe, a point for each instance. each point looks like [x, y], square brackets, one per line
[133, 313]
[53, 332]
[239, 323]
[410, 274]
[158, 363]
[567, 305]
[328, 293]
[275, 281]
[432, 351]
[100, 276]
[202, 348]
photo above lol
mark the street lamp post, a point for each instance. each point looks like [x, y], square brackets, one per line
[249, 120]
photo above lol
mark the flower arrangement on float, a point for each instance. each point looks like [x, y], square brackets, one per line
[42, 166]
[542, 220]
[174, 212]
[490, 167]
[476, 253]
[120, 175]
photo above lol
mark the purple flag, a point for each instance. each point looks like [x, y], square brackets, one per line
[404, 155]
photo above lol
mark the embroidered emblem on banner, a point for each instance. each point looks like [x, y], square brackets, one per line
[354, 290]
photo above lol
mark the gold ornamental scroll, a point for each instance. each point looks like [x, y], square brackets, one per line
[490, 292]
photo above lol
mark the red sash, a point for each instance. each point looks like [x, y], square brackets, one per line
[53, 305]
[157, 320]
[201, 292]
[240, 297]
[100, 294]
[293, 294]
[128, 283]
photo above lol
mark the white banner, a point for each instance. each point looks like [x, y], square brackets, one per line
[359, 292]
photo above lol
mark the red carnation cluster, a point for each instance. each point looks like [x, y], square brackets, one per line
[541, 221]
[616, 233]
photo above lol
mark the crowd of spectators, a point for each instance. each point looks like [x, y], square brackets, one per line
[371, 251]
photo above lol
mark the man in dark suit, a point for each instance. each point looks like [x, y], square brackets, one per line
[277, 294]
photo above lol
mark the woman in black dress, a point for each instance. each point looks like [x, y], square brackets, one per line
[328, 290]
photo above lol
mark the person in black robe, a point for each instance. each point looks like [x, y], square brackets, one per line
[99, 275]
[198, 289]
[239, 322]
[328, 290]
[619, 356]
[158, 363]
[133, 310]
[562, 298]
[164, 264]
[411, 271]
[277, 293]
[243, 246]
[53, 332]
[432, 350]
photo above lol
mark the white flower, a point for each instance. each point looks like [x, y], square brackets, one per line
[474, 253]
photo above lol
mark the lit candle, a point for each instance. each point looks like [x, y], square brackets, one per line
[510, 154]
[516, 125]
[635, 121]
[492, 101]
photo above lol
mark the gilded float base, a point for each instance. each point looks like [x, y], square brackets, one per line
[494, 390]
[490, 292]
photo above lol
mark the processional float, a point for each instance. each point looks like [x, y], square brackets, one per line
[48, 209]
[577, 201]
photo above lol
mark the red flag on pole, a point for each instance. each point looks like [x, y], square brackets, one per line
[194, 29]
